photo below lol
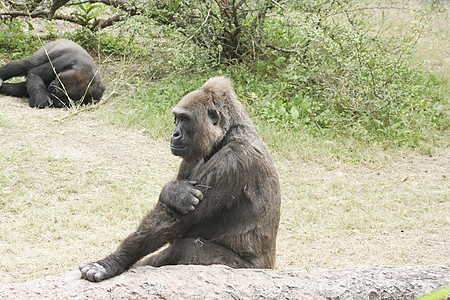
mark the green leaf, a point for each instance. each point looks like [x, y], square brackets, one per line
[294, 112]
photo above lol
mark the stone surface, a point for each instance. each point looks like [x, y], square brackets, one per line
[220, 282]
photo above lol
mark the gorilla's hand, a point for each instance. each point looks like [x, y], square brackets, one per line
[93, 272]
[55, 87]
[98, 272]
[181, 196]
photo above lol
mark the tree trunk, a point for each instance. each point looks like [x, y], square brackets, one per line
[219, 282]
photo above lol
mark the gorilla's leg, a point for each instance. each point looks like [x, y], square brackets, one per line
[195, 251]
[18, 89]
[24, 66]
[33, 85]
[14, 69]
[39, 96]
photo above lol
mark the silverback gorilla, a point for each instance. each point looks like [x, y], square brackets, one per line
[223, 207]
[58, 73]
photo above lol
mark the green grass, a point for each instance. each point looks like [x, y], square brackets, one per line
[438, 294]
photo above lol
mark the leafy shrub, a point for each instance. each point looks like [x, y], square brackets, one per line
[228, 30]
[14, 42]
[324, 66]
[105, 42]
[328, 67]
[86, 13]
[336, 74]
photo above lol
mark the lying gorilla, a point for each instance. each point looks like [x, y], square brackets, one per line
[57, 74]
[223, 207]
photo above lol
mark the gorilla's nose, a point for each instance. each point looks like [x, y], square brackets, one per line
[176, 135]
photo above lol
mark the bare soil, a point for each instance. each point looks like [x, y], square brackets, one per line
[72, 186]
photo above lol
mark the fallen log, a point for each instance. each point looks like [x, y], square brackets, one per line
[220, 282]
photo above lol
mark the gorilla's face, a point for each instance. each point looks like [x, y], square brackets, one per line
[181, 139]
[198, 126]
[196, 132]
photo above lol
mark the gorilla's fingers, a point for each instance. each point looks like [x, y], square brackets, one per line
[93, 272]
[181, 210]
[84, 268]
[196, 192]
[198, 195]
[195, 201]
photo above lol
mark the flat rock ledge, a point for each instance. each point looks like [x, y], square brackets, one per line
[220, 282]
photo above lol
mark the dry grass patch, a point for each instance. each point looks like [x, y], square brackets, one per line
[394, 211]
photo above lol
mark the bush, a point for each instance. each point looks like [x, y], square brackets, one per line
[337, 74]
[229, 30]
[14, 42]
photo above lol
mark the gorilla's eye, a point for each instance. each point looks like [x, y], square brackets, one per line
[214, 116]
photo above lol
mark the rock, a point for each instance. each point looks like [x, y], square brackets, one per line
[220, 282]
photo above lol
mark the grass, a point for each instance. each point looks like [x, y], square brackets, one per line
[441, 293]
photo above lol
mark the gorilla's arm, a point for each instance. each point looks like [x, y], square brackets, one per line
[156, 229]
[166, 223]
[221, 179]
[39, 96]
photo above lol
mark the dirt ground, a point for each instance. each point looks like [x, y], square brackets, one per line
[72, 186]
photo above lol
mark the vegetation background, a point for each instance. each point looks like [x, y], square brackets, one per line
[351, 97]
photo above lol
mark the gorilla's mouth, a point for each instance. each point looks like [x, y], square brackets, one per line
[177, 149]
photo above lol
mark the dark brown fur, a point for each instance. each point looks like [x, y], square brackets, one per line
[56, 74]
[227, 175]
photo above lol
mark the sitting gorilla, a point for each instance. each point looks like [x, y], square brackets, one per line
[223, 207]
[57, 74]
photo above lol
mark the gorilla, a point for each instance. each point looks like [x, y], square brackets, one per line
[223, 207]
[58, 74]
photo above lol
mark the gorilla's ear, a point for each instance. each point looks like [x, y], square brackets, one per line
[214, 116]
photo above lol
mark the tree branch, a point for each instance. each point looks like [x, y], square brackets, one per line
[41, 14]
[122, 5]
